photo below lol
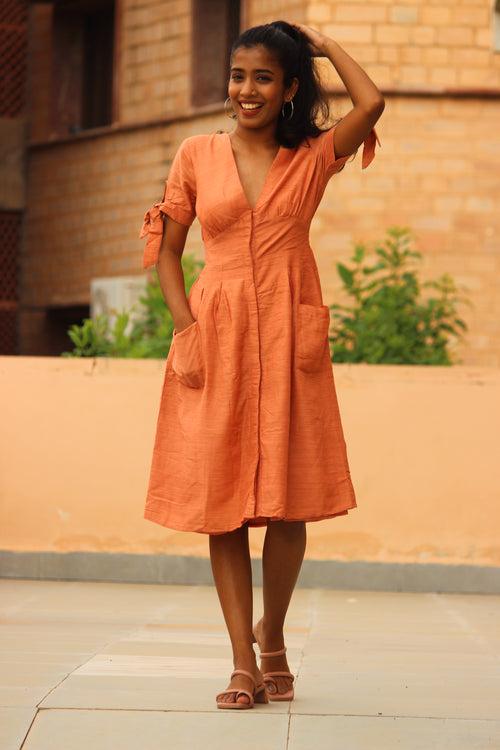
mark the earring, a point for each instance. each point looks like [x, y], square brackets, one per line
[291, 112]
[233, 116]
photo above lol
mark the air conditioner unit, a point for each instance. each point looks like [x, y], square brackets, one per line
[115, 294]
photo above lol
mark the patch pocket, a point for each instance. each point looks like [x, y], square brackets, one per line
[187, 361]
[312, 336]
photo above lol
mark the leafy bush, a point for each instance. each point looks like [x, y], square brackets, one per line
[145, 334]
[388, 321]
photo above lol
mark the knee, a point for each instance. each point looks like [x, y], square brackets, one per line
[288, 528]
[241, 531]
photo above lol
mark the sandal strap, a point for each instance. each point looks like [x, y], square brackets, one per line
[278, 674]
[274, 653]
[243, 671]
[235, 690]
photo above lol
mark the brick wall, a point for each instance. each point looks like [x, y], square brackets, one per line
[155, 65]
[86, 205]
[436, 173]
[432, 43]
[39, 72]
[437, 170]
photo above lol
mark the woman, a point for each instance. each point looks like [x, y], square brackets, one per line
[249, 431]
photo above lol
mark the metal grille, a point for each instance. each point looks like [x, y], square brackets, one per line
[13, 50]
[10, 234]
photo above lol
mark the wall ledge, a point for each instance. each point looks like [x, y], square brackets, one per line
[185, 570]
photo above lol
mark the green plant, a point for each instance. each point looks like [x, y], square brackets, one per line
[147, 333]
[389, 321]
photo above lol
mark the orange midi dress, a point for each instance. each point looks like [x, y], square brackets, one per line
[248, 429]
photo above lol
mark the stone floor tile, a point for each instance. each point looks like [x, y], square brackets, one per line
[153, 730]
[391, 733]
[14, 725]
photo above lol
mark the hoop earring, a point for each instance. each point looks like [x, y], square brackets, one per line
[291, 111]
[233, 116]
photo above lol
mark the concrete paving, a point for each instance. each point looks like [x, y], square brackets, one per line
[136, 667]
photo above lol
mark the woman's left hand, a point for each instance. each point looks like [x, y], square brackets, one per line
[315, 38]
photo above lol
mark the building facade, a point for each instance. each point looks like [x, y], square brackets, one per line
[115, 85]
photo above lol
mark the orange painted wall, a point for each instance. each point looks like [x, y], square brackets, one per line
[77, 436]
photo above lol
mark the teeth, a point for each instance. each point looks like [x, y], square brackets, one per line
[250, 106]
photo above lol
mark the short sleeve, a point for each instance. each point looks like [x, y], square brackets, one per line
[331, 163]
[178, 202]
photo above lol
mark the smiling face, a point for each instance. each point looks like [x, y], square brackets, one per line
[256, 86]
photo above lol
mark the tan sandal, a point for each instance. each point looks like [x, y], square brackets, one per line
[259, 694]
[268, 676]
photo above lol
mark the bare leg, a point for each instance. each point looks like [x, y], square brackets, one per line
[232, 571]
[282, 557]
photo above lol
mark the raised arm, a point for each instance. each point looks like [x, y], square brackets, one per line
[357, 125]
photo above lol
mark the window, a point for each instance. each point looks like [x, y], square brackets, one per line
[10, 233]
[216, 25]
[82, 71]
[58, 320]
[13, 50]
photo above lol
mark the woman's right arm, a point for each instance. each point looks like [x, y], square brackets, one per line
[170, 273]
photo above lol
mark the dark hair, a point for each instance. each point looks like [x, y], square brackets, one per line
[291, 48]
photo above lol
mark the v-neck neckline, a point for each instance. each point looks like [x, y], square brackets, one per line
[238, 179]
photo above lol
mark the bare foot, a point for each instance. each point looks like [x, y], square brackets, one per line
[273, 663]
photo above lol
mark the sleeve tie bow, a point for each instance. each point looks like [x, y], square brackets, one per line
[369, 148]
[152, 227]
